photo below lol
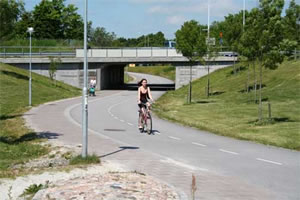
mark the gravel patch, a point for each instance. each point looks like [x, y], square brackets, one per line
[100, 181]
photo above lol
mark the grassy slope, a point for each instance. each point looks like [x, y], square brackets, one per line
[233, 113]
[127, 78]
[17, 142]
[163, 71]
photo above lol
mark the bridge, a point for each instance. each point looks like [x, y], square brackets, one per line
[107, 65]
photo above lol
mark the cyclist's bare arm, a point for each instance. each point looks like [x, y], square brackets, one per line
[139, 95]
[150, 96]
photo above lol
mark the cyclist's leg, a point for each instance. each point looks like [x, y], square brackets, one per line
[148, 106]
[140, 117]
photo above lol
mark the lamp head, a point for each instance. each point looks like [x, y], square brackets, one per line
[30, 30]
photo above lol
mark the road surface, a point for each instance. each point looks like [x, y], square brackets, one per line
[224, 168]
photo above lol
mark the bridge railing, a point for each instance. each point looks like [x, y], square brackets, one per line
[130, 52]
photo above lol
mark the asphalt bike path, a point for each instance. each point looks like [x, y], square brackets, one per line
[225, 168]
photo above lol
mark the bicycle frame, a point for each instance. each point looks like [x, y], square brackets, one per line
[145, 118]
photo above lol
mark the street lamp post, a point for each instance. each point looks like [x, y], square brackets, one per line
[30, 31]
[208, 45]
[84, 90]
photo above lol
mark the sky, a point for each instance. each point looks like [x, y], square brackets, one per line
[133, 18]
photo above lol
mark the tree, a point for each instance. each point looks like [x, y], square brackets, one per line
[53, 20]
[292, 22]
[48, 19]
[10, 12]
[191, 43]
[101, 38]
[53, 67]
[72, 23]
[23, 24]
[291, 28]
[263, 37]
[249, 44]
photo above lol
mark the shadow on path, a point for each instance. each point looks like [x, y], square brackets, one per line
[49, 135]
[122, 148]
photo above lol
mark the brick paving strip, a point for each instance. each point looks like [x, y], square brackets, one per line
[50, 120]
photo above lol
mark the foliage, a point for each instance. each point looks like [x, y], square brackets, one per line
[232, 29]
[270, 28]
[53, 67]
[292, 22]
[33, 189]
[89, 159]
[150, 40]
[190, 41]
[101, 38]
[22, 25]
[52, 19]
[288, 47]
[10, 12]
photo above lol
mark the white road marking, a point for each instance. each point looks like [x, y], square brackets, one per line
[130, 124]
[187, 166]
[269, 161]
[231, 152]
[157, 133]
[116, 117]
[121, 120]
[202, 145]
[175, 138]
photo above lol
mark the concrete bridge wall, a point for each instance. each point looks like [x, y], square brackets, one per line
[183, 73]
[107, 76]
[107, 65]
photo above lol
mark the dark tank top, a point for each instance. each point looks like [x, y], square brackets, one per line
[144, 96]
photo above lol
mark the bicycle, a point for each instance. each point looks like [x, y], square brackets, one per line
[145, 119]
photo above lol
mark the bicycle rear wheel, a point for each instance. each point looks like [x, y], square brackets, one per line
[149, 123]
[141, 121]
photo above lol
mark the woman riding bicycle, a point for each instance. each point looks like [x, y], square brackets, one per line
[143, 95]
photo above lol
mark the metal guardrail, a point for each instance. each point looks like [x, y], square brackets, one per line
[41, 54]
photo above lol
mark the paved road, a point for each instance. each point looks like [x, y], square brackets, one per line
[224, 168]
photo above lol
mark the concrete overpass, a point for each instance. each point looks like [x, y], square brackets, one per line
[107, 65]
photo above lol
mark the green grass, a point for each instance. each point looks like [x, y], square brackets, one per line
[127, 78]
[18, 143]
[90, 159]
[29, 192]
[163, 71]
[232, 112]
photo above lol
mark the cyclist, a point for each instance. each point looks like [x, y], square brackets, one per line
[143, 95]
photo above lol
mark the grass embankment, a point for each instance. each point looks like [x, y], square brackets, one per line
[127, 77]
[163, 71]
[18, 143]
[230, 111]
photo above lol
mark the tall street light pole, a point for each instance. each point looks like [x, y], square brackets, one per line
[84, 90]
[208, 45]
[30, 31]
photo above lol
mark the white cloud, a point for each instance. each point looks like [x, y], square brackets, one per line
[176, 20]
[218, 8]
[156, 9]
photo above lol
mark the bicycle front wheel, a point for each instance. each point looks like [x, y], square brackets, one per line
[149, 123]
